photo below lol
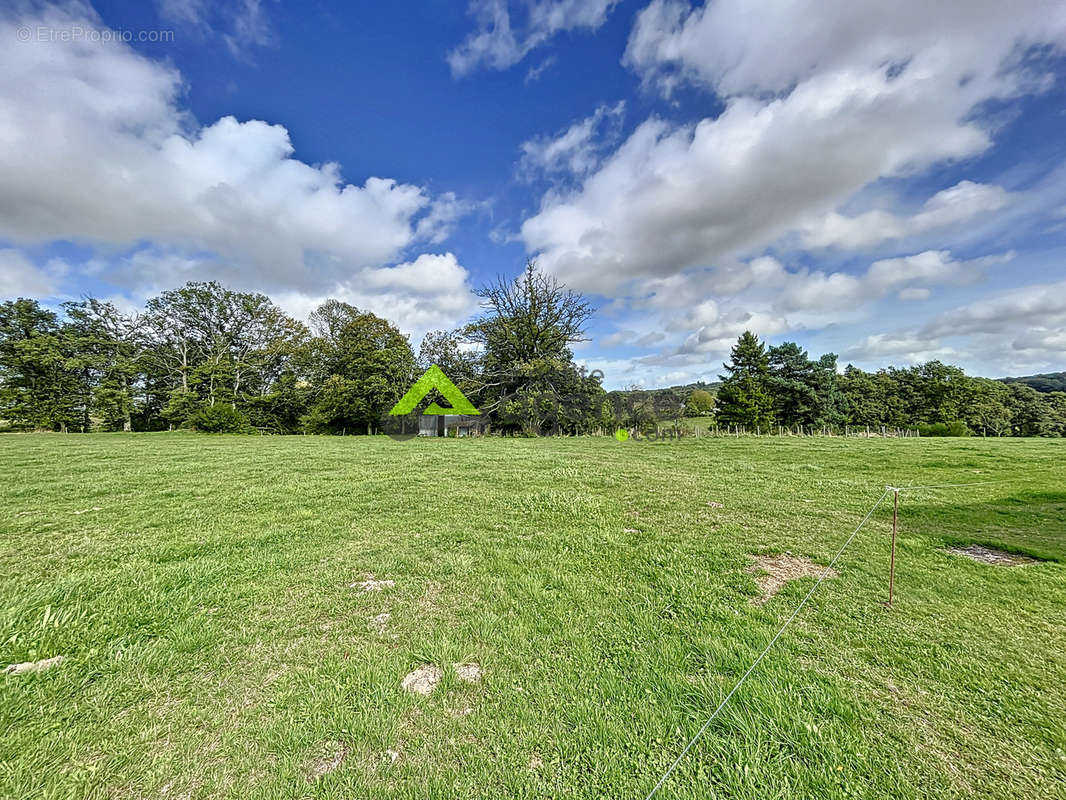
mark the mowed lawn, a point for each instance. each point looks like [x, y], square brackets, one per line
[200, 590]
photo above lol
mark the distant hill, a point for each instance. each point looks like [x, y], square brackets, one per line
[1046, 382]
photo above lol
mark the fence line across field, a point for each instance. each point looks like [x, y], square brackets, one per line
[894, 490]
[766, 650]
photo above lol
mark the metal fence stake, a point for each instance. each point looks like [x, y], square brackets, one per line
[892, 561]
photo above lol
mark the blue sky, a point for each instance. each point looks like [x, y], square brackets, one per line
[883, 181]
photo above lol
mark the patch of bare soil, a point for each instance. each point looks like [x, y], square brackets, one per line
[422, 680]
[330, 756]
[989, 555]
[32, 666]
[773, 572]
[380, 622]
[372, 585]
[471, 673]
[87, 510]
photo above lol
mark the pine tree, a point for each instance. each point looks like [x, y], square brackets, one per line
[744, 397]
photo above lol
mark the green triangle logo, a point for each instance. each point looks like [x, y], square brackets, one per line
[434, 378]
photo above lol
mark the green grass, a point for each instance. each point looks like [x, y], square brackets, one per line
[214, 647]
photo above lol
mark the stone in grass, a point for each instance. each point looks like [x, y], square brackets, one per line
[471, 673]
[773, 572]
[372, 585]
[989, 555]
[422, 680]
[33, 666]
[329, 757]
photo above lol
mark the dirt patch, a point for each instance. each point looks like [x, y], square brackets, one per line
[715, 504]
[33, 666]
[471, 673]
[773, 572]
[331, 755]
[422, 680]
[380, 622]
[372, 585]
[989, 555]
[88, 510]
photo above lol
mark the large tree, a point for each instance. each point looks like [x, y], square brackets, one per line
[214, 344]
[792, 385]
[106, 354]
[988, 410]
[529, 381]
[744, 397]
[37, 388]
[358, 369]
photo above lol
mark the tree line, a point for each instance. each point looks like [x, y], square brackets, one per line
[781, 386]
[210, 358]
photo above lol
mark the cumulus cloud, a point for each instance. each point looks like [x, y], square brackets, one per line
[763, 46]
[577, 149]
[800, 134]
[96, 148]
[713, 226]
[1030, 306]
[901, 349]
[498, 44]
[20, 277]
[630, 338]
[1031, 320]
[962, 202]
[428, 293]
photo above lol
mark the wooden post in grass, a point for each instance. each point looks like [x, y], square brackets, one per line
[892, 561]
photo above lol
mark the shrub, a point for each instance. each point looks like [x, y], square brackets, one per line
[956, 428]
[219, 418]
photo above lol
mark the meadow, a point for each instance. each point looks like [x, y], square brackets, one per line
[209, 598]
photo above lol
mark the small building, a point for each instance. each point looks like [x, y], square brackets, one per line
[452, 425]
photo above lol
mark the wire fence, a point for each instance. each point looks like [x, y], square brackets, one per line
[821, 578]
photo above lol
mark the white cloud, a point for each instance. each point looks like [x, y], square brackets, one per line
[251, 28]
[673, 198]
[900, 349]
[960, 203]
[850, 103]
[765, 46]
[914, 294]
[497, 44]
[20, 277]
[241, 26]
[1029, 307]
[534, 72]
[631, 338]
[825, 106]
[95, 148]
[428, 293]
[1030, 320]
[575, 150]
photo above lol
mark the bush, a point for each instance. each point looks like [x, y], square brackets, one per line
[956, 428]
[219, 418]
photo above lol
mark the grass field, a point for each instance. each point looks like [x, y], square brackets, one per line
[200, 590]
